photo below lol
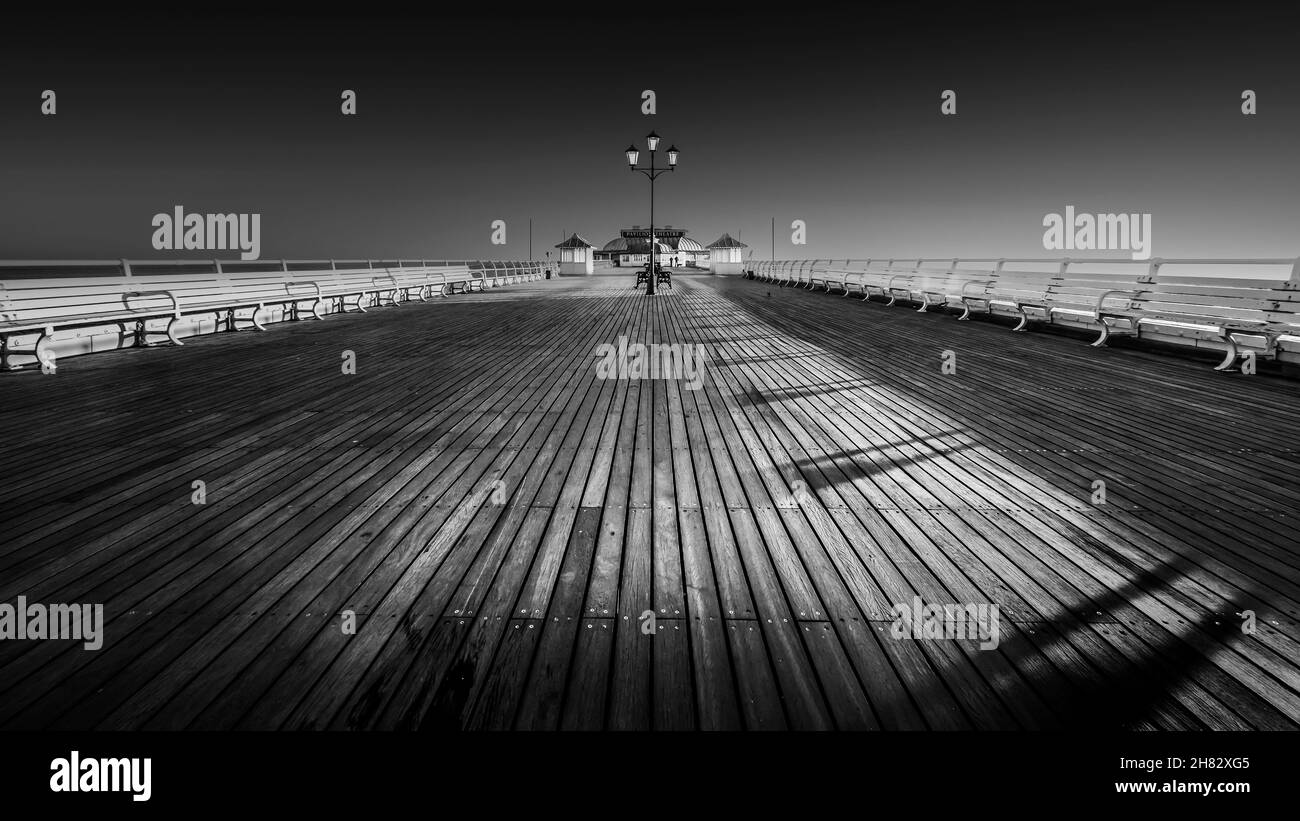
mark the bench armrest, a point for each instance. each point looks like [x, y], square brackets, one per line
[313, 283]
[176, 304]
[1101, 300]
[889, 285]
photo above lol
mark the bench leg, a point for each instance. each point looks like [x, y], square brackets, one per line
[7, 350]
[1105, 334]
[1024, 320]
[234, 320]
[171, 330]
[1230, 358]
[46, 336]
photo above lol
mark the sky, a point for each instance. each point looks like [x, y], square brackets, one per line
[827, 114]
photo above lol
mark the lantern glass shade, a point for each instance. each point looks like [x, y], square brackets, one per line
[632, 154]
[672, 155]
[652, 140]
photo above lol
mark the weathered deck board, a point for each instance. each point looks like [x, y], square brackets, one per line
[503, 522]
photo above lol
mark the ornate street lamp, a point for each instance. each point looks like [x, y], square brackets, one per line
[652, 142]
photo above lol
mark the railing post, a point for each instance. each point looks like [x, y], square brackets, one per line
[126, 267]
[1153, 271]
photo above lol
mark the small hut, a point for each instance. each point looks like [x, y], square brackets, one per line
[575, 257]
[725, 256]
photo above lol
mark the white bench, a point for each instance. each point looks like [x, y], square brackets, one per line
[128, 303]
[934, 285]
[1237, 315]
[1235, 312]
[1018, 292]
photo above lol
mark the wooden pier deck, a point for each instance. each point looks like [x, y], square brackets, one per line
[499, 519]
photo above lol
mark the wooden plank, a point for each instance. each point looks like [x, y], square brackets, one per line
[759, 693]
[585, 703]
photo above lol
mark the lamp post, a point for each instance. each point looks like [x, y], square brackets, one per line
[652, 141]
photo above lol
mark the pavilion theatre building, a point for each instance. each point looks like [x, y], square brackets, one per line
[676, 250]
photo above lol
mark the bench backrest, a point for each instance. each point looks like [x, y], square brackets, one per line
[38, 301]
[1215, 301]
[1022, 282]
[1089, 285]
[1252, 293]
[948, 277]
